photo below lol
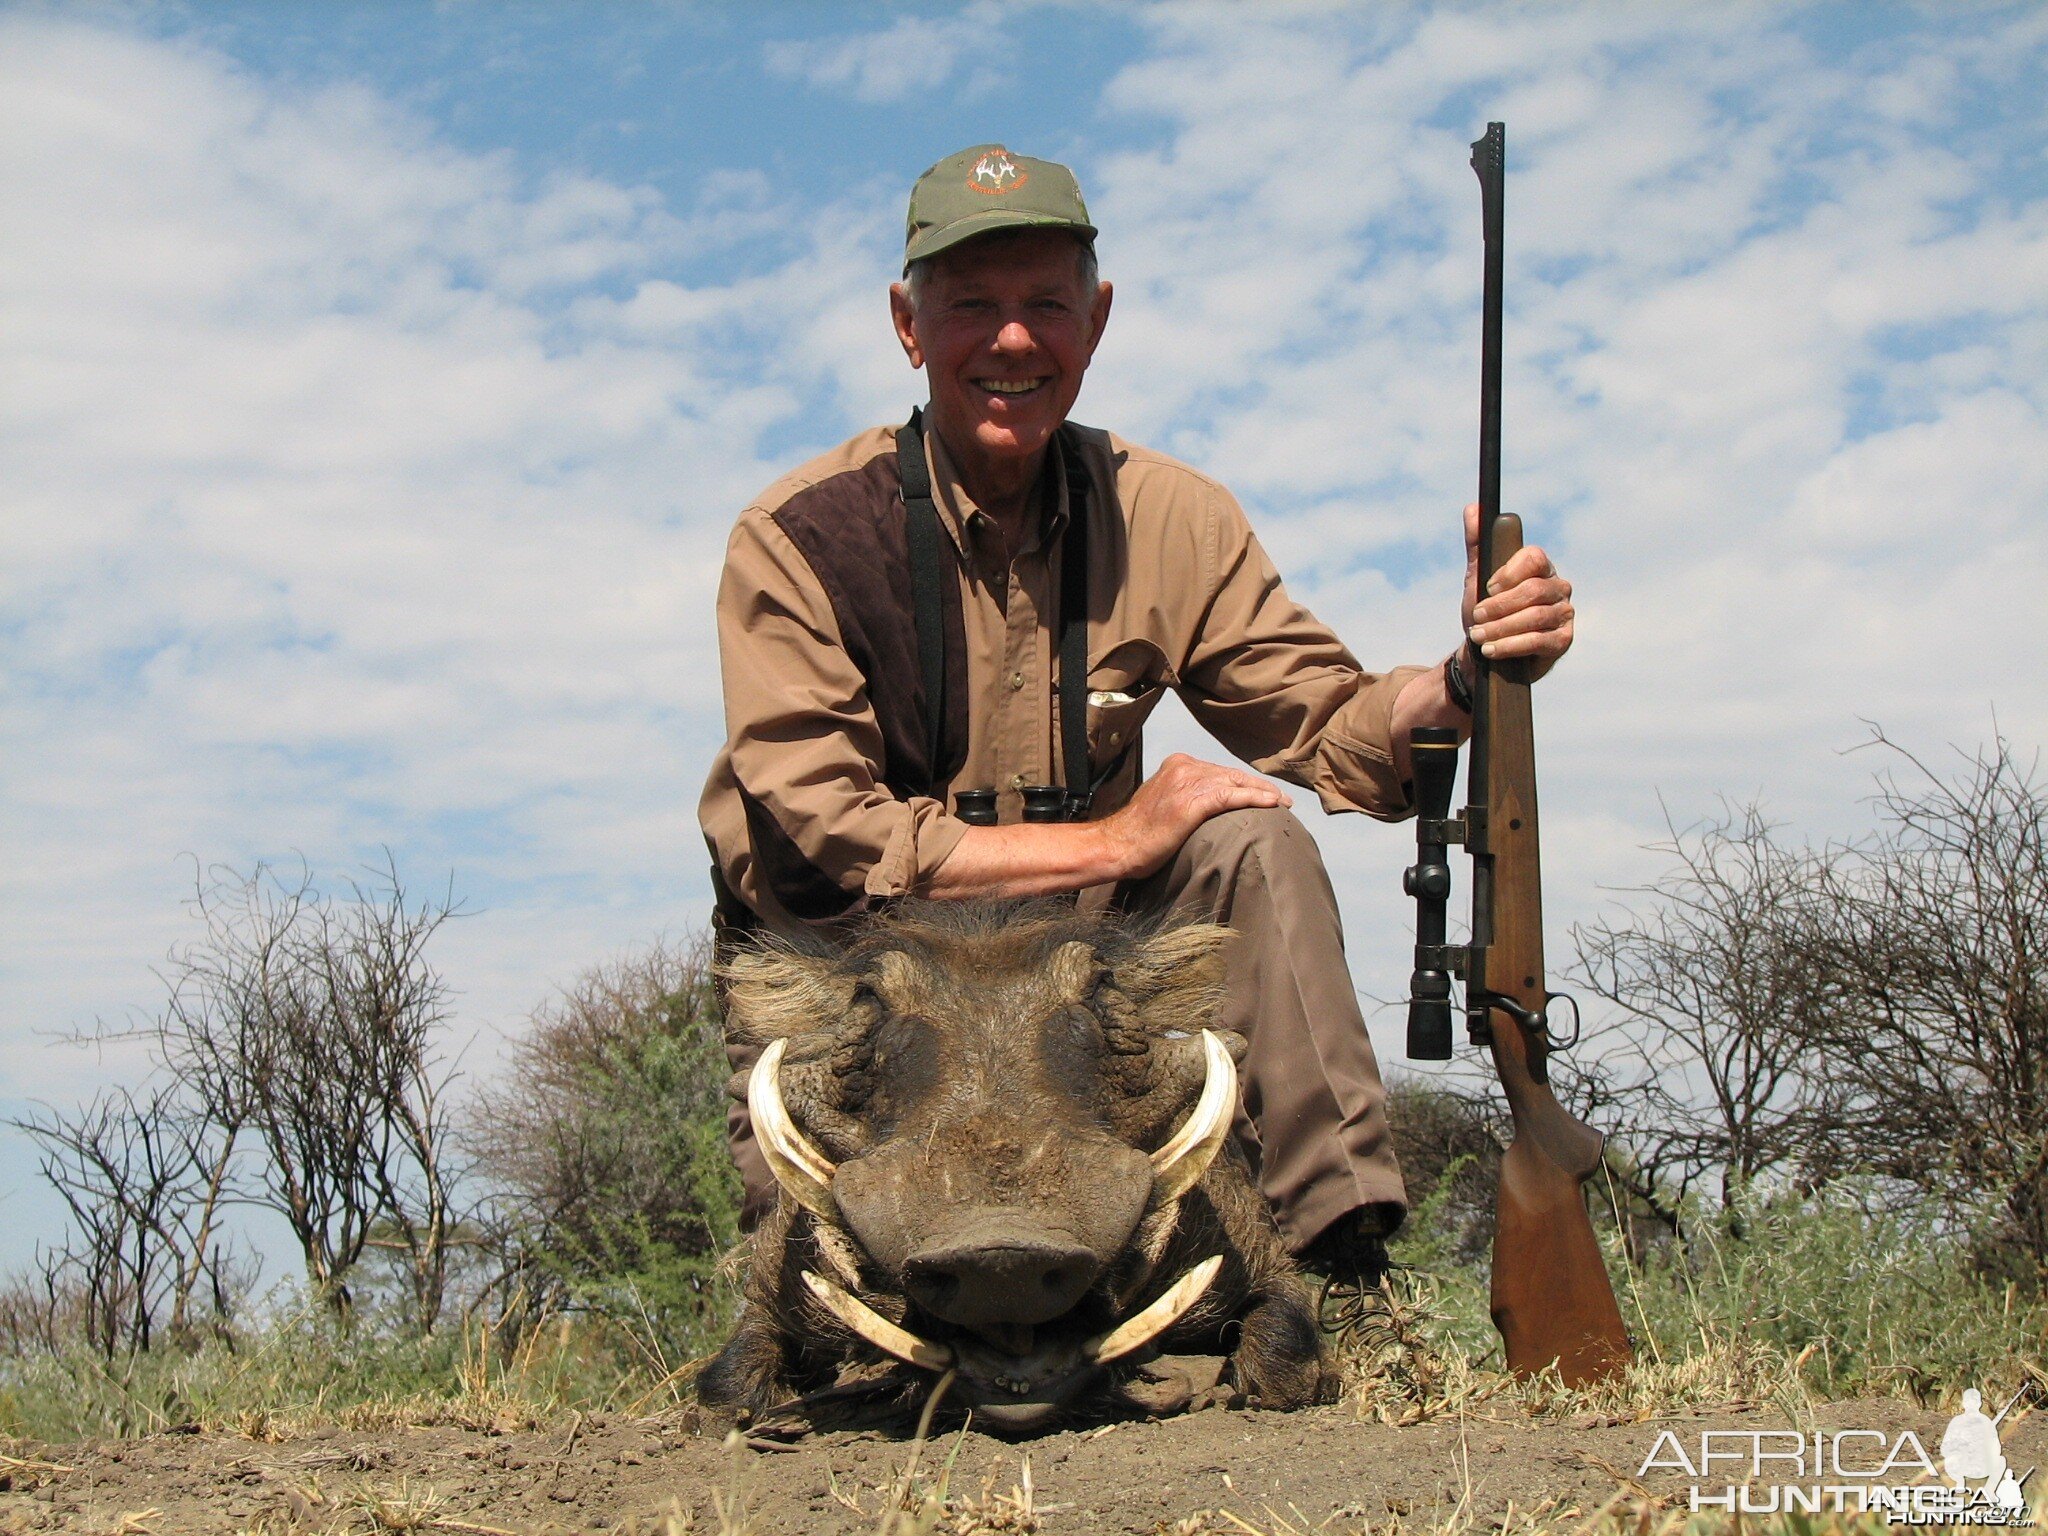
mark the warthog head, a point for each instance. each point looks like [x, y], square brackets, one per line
[996, 1129]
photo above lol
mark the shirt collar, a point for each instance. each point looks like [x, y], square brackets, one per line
[961, 517]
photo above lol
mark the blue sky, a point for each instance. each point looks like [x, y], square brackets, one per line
[381, 379]
[664, 96]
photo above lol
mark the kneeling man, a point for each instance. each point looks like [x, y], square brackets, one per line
[940, 643]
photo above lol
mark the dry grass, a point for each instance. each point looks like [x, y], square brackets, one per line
[919, 1500]
[1400, 1371]
[367, 1507]
[26, 1473]
[1820, 1302]
[402, 1508]
[1403, 1364]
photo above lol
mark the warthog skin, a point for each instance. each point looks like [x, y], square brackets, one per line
[987, 1083]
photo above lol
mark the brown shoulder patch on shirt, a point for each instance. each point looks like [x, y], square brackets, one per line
[850, 530]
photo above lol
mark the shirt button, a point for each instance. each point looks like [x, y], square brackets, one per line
[1016, 781]
[1116, 738]
[1016, 681]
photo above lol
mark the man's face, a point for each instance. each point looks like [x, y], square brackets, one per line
[1004, 327]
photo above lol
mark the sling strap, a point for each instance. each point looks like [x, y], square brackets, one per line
[921, 520]
[921, 525]
[1074, 634]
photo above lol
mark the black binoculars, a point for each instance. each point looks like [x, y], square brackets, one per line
[1042, 802]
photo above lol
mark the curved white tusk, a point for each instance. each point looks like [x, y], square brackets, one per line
[877, 1329]
[798, 1166]
[1178, 1166]
[1155, 1319]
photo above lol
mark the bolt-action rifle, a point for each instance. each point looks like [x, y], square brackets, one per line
[1551, 1297]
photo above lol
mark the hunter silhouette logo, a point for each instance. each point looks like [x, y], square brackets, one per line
[1970, 1452]
[996, 173]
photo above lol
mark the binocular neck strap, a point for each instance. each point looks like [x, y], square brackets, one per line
[1074, 632]
[921, 527]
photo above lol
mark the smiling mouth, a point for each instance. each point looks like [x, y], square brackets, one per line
[1009, 387]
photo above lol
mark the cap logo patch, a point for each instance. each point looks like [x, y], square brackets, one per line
[996, 173]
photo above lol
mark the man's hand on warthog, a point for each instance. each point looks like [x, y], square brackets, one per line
[1039, 860]
[1183, 794]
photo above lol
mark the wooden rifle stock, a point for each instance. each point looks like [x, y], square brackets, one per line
[1551, 1296]
[1552, 1300]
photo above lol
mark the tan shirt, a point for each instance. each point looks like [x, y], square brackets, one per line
[1182, 597]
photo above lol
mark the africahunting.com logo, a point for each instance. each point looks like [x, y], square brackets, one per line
[1855, 1471]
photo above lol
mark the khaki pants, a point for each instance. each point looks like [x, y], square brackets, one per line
[1314, 1116]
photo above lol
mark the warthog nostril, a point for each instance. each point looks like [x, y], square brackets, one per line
[930, 1284]
[982, 1285]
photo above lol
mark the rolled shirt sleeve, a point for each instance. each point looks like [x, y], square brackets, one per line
[803, 747]
[1274, 685]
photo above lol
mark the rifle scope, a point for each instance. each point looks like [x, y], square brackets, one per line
[1433, 759]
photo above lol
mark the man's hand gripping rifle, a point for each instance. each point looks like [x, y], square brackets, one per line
[1551, 1297]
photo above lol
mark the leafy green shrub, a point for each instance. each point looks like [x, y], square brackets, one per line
[608, 1140]
[1446, 1137]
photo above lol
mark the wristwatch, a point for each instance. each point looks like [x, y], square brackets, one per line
[1457, 681]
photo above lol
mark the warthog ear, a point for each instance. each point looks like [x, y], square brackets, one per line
[773, 991]
[1175, 977]
[1075, 970]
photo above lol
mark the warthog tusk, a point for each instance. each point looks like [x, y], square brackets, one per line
[1178, 1166]
[798, 1166]
[877, 1329]
[1156, 1319]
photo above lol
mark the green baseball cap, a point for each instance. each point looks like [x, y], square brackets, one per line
[984, 189]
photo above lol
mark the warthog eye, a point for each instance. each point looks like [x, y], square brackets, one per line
[897, 1062]
[1073, 1049]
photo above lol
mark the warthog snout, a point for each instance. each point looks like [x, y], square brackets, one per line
[983, 1283]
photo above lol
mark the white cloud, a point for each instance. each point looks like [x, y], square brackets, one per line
[913, 54]
[1908, 493]
[326, 527]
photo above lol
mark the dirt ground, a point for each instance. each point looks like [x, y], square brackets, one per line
[1298, 1472]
